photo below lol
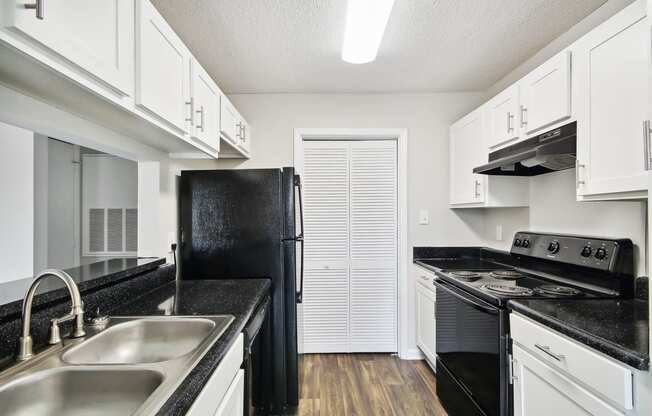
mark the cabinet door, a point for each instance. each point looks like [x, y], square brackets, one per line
[502, 122]
[545, 95]
[539, 390]
[245, 136]
[426, 322]
[467, 151]
[163, 68]
[96, 36]
[205, 108]
[233, 402]
[229, 119]
[612, 79]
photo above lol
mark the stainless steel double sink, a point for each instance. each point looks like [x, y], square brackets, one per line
[129, 368]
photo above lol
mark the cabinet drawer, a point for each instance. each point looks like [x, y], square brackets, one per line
[424, 277]
[606, 377]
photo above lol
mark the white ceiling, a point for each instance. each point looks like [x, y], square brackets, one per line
[256, 46]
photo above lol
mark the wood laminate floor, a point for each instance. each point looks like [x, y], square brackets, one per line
[366, 384]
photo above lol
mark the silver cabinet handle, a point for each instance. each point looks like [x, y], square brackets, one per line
[190, 118]
[578, 175]
[38, 7]
[523, 119]
[646, 144]
[201, 118]
[510, 118]
[477, 185]
[244, 132]
[546, 350]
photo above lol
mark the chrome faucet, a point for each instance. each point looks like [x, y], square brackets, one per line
[25, 350]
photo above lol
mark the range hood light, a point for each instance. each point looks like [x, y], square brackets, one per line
[365, 24]
[534, 161]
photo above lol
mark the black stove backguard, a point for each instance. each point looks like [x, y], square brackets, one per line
[602, 263]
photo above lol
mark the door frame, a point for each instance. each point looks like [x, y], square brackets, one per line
[404, 258]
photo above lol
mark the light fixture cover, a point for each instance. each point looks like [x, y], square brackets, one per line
[365, 24]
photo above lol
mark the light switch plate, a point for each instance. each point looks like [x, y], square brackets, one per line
[424, 217]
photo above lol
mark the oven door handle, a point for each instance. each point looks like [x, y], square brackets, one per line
[468, 301]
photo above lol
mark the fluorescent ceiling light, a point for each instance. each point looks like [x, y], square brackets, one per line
[365, 25]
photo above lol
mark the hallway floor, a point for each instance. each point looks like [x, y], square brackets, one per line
[366, 384]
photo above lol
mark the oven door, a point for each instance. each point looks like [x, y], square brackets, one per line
[471, 345]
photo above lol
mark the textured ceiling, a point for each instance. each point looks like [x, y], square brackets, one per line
[255, 46]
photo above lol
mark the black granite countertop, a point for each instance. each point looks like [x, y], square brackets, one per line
[88, 277]
[200, 297]
[615, 327]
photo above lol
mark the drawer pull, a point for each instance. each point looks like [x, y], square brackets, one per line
[546, 350]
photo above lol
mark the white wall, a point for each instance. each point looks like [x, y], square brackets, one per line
[554, 208]
[584, 26]
[16, 203]
[427, 118]
[553, 205]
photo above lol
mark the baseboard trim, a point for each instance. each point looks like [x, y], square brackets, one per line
[412, 354]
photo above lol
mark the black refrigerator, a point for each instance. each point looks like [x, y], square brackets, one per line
[240, 224]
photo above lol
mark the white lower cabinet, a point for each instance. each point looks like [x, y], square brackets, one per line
[223, 394]
[611, 71]
[425, 314]
[555, 375]
[540, 390]
[233, 402]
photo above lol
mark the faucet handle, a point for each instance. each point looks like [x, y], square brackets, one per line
[55, 334]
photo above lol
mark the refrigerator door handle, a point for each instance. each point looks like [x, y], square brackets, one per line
[300, 239]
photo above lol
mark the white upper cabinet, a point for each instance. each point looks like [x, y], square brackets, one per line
[234, 129]
[545, 95]
[162, 68]
[229, 119]
[245, 136]
[97, 37]
[611, 84]
[205, 108]
[466, 152]
[503, 111]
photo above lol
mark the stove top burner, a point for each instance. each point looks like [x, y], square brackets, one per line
[467, 276]
[508, 290]
[556, 290]
[505, 274]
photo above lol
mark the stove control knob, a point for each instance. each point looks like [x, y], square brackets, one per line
[517, 242]
[526, 243]
[586, 251]
[600, 254]
[553, 247]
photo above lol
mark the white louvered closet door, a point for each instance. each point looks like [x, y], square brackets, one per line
[325, 310]
[350, 288]
[373, 246]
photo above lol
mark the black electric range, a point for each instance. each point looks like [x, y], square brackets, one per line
[472, 334]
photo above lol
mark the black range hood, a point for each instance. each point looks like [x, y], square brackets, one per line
[548, 152]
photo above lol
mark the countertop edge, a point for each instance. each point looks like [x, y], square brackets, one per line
[613, 350]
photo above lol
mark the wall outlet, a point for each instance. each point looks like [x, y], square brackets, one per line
[172, 239]
[499, 233]
[424, 217]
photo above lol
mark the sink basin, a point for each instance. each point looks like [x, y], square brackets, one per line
[142, 341]
[87, 391]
